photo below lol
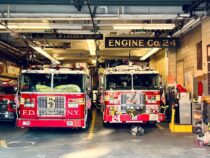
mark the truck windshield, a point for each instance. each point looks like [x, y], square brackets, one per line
[68, 83]
[33, 82]
[145, 81]
[7, 90]
[118, 82]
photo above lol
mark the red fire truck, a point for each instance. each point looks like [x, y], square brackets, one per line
[7, 101]
[55, 97]
[131, 94]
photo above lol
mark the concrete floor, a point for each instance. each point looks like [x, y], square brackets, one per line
[98, 142]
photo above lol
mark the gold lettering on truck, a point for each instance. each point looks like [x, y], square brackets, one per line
[51, 102]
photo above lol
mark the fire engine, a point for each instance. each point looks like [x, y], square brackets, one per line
[7, 101]
[54, 97]
[131, 94]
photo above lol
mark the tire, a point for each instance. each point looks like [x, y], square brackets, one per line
[90, 114]
[87, 123]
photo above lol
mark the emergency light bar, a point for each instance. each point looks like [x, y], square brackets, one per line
[59, 67]
[129, 68]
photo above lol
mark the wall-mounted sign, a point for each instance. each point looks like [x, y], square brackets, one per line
[64, 36]
[140, 42]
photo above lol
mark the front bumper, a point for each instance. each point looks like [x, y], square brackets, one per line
[62, 123]
[142, 118]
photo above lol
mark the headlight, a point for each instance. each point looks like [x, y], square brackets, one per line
[29, 103]
[73, 104]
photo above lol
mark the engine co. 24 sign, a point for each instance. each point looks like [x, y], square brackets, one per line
[139, 42]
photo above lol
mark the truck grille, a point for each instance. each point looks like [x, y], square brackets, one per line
[51, 106]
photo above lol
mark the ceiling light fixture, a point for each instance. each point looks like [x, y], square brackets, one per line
[190, 24]
[152, 26]
[92, 47]
[45, 54]
[44, 26]
[149, 53]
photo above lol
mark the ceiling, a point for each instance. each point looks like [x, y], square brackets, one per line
[20, 17]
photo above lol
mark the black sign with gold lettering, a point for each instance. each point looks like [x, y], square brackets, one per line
[64, 36]
[140, 42]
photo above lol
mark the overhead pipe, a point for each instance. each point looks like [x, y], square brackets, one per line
[186, 27]
[76, 17]
[7, 46]
[6, 50]
[14, 50]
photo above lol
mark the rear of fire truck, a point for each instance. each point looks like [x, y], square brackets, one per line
[7, 102]
[131, 95]
[54, 97]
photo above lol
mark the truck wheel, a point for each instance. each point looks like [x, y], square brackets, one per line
[87, 123]
[90, 114]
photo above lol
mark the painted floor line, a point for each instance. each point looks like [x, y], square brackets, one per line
[160, 127]
[3, 143]
[92, 127]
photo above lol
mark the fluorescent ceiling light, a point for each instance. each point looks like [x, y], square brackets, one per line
[41, 51]
[65, 31]
[41, 26]
[149, 53]
[143, 26]
[93, 61]
[186, 27]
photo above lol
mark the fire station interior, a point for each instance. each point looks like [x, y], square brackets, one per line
[123, 78]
